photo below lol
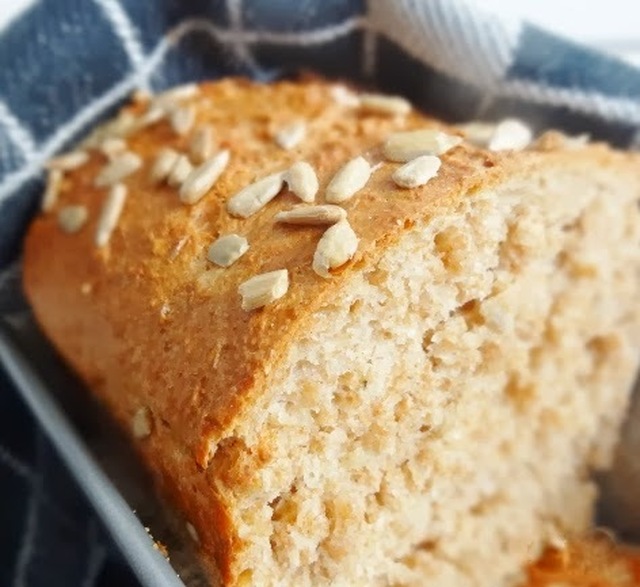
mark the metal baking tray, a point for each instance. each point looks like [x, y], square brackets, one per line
[96, 454]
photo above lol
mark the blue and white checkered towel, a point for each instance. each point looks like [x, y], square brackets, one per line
[65, 64]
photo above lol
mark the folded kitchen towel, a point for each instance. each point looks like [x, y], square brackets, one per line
[66, 64]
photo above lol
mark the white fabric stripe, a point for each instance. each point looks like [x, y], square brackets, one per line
[241, 50]
[15, 464]
[16, 131]
[31, 524]
[369, 53]
[25, 472]
[623, 110]
[96, 558]
[124, 30]
[454, 37]
[89, 113]
[299, 39]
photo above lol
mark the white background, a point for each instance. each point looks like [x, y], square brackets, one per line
[613, 25]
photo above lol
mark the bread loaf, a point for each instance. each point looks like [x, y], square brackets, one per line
[413, 391]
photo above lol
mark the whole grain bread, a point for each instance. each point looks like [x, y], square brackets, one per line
[420, 399]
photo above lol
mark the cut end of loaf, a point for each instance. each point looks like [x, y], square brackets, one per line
[445, 411]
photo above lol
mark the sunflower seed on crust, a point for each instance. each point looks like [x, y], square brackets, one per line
[110, 214]
[344, 96]
[154, 114]
[180, 171]
[302, 181]
[348, 180]
[201, 144]
[141, 424]
[174, 96]
[182, 119]
[121, 166]
[260, 290]
[227, 249]
[312, 215]
[112, 146]
[291, 135]
[402, 147]
[52, 191]
[203, 178]
[477, 132]
[164, 162]
[255, 196]
[510, 134]
[72, 218]
[68, 161]
[384, 104]
[417, 172]
[337, 246]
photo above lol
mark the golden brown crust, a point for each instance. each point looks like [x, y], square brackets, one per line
[591, 561]
[148, 321]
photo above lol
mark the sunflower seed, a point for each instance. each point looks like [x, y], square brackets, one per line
[260, 290]
[337, 246]
[290, 136]
[141, 96]
[110, 214]
[348, 180]
[68, 161]
[112, 146]
[141, 425]
[52, 191]
[312, 215]
[163, 164]
[226, 250]
[201, 144]
[417, 172]
[153, 115]
[254, 197]
[342, 95]
[203, 178]
[405, 146]
[72, 218]
[478, 133]
[121, 166]
[122, 126]
[176, 95]
[302, 181]
[180, 171]
[383, 104]
[182, 119]
[191, 530]
[510, 134]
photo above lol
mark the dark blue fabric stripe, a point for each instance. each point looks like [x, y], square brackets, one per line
[553, 61]
[152, 19]
[284, 15]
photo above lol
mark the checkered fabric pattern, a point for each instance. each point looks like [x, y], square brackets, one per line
[66, 64]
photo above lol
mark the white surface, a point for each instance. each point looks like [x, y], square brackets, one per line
[9, 9]
[611, 25]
